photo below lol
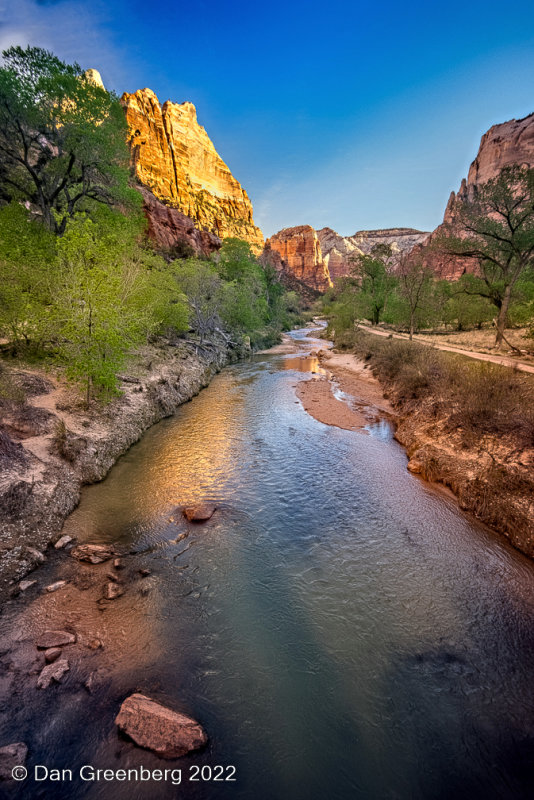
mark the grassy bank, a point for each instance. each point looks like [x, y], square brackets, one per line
[465, 424]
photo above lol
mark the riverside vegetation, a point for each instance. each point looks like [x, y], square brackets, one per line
[89, 307]
[465, 424]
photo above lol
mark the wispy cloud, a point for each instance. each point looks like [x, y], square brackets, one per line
[74, 30]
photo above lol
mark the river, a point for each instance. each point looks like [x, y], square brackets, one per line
[340, 628]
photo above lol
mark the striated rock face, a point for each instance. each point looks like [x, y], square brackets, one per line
[503, 145]
[509, 143]
[175, 159]
[337, 250]
[167, 226]
[300, 250]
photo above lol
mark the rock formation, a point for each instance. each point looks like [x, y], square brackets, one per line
[501, 146]
[300, 251]
[175, 159]
[158, 728]
[337, 250]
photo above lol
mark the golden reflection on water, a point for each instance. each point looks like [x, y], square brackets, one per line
[190, 468]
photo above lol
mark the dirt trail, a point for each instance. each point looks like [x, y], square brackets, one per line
[504, 361]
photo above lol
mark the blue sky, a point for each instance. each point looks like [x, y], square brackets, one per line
[348, 114]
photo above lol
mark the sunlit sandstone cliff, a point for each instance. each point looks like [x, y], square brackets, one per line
[338, 250]
[300, 251]
[501, 146]
[175, 159]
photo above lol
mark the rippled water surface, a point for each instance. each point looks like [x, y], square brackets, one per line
[340, 628]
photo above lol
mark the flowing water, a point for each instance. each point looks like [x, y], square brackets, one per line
[340, 628]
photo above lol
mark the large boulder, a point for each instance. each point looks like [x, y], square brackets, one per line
[167, 733]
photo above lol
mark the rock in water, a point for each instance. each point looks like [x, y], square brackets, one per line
[52, 672]
[157, 728]
[11, 755]
[93, 553]
[199, 513]
[50, 639]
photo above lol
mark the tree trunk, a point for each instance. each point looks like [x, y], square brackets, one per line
[502, 318]
[412, 326]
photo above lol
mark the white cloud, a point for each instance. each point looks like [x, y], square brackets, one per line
[74, 30]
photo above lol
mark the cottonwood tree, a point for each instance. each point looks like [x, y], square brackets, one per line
[376, 282]
[62, 138]
[497, 227]
[415, 284]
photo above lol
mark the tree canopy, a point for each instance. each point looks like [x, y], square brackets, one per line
[62, 138]
[496, 226]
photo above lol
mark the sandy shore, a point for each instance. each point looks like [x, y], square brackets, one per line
[361, 402]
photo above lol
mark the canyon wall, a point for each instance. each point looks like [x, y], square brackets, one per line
[501, 146]
[175, 159]
[300, 251]
[337, 250]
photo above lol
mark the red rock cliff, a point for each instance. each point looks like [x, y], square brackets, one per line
[176, 160]
[503, 145]
[300, 250]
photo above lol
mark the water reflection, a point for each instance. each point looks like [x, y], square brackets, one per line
[340, 629]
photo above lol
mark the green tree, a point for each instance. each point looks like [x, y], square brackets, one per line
[109, 295]
[373, 271]
[498, 230]
[415, 286]
[62, 138]
[25, 246]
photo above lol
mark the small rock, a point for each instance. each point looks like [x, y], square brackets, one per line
[52, 654]
[95, 644]
[113, 590]
[36, 555]
[157, 728]
[63, 542]
[113, 577]
[50, 639]
[117, 563]
[93, 553]
[53, 587]
[11, 755]
[144, 572]
[24, 585]
[199, 513]
[53, 672]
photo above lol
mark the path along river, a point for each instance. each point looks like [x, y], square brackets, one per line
[340, 628]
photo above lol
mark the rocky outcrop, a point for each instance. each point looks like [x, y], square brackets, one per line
[501, 146]
[167, 733]
[509, 143]
[338, 250]
[169, 228]
[175, 159]
[300, 251]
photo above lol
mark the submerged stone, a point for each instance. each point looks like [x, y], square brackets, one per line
[199, 513]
